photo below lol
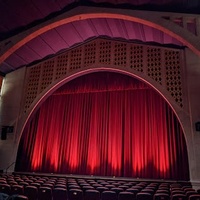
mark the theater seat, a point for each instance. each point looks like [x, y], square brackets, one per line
[133, 190]
[161, 196]
[108, 195]
[59, 193]
[95, 185]
[5, 188]
[75, 194]
[86, 187]
[35, 184]
[92, 195]
[31, 192]
[17, 189]
[189, 193]
[117, 190]
[163, 191]
[126, 196]
[178, 197]
[148, 191]
[194, 197]
[177, 192]
[44, 193]
[144, 196]
[60, 186]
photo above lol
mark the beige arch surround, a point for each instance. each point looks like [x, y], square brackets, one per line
[71, 71]
[181, 115]
[161, 21]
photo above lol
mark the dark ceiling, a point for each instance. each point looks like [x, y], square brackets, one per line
[19, 15]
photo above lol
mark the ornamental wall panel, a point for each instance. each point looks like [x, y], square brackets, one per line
[162, 65]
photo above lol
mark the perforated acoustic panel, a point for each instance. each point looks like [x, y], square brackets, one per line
[154, 64]
[33, 85]
[62, 66]
[89, 54]
[47, 74]
[120, 54]
[136, 57]
[75, 59]
[173, 75]
[162, 65]
[105, 52]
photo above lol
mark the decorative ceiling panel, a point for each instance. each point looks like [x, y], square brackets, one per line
[71, 34]
[19, 15]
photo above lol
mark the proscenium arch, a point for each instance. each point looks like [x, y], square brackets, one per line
[45, 94]
[82, 13]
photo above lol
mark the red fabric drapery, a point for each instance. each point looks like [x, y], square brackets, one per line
[105, 124]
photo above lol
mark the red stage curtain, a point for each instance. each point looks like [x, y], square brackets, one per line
[105, 124]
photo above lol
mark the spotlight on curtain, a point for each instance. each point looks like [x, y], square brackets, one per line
[105, 124]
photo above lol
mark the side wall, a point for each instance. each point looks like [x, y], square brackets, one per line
[193, 81]
[10, 103]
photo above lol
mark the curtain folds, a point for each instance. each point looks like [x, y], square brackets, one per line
[105, 124]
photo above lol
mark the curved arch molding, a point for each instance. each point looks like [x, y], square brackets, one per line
[160, 67]
[176, 25]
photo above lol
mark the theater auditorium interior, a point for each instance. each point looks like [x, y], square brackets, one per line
[100, 99]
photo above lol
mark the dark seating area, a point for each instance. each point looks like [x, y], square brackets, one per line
[47, 187]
